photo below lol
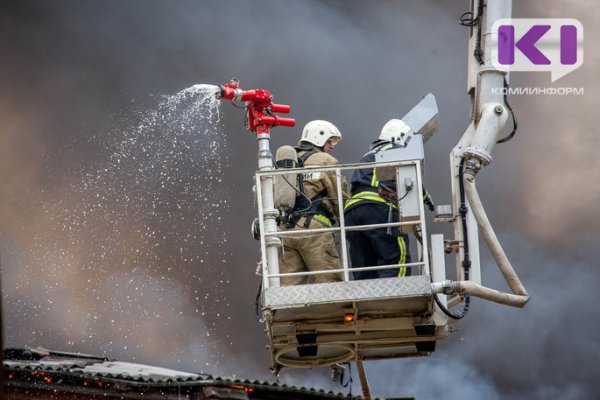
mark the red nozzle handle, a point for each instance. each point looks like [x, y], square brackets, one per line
[278, 121]
[286, 121]
[280, 108]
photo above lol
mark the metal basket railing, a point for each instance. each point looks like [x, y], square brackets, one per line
[268, 273]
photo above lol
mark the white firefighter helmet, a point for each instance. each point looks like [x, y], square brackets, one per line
[318, 132]
[395, 130]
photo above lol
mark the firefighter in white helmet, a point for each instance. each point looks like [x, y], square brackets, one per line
[316, 207]
[373, 202]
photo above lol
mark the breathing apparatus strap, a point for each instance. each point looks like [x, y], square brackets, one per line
[308, 207]
[311, 208]
[301, 160]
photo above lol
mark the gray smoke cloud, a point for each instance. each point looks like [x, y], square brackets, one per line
[79, 78]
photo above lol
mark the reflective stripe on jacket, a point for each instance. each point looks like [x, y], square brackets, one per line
[372, 197]
[367, 178]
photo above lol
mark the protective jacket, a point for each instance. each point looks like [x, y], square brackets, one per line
[319, 197]
[364, 182]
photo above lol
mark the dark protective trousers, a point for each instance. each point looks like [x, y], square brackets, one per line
[376, 246]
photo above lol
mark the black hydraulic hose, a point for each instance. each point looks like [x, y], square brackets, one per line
[463, 216]
[512, 113]
[466, 258]
[478, 51]
[470, 20]
[257, 304]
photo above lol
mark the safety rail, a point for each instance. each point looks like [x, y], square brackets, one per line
[270, 275]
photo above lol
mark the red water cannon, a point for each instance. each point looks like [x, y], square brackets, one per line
[260, 111]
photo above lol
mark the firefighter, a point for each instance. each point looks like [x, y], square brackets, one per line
[373, 202]
[316, 206]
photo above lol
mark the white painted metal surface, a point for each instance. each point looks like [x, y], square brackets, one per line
[268, 213]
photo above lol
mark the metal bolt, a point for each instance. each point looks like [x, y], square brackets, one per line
[499, 110]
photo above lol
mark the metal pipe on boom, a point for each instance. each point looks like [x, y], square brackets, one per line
[489, 113]
[489, 116]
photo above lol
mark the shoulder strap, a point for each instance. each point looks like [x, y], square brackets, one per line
[313, 205]
[302, 159]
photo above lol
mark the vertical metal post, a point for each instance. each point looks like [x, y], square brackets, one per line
[263, 248]
[340, 194]
[364, 383]
[425, 246]
[438, 264]
[269, 223]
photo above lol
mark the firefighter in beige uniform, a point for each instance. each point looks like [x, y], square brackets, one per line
[317, 207]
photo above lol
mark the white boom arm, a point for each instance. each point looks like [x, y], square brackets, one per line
[488, 118]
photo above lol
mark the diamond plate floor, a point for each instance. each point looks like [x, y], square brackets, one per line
[323, 293]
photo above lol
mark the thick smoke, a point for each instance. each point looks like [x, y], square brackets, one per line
[76, 107]
[128, 231]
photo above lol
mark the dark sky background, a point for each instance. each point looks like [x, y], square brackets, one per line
[124, 219]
